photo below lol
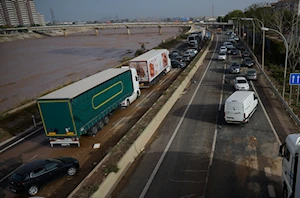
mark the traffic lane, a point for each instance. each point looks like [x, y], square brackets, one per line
[282, 122]
[184, 170]
[242, 154]
[190, 158]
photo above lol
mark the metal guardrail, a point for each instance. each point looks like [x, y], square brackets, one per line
[286, 106]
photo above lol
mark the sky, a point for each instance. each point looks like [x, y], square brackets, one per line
[91, 10]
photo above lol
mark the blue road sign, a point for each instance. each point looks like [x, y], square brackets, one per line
[295, 79]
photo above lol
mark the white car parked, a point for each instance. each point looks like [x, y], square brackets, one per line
[222, 56]
[192, 50]
[241, 84]
[223, 49]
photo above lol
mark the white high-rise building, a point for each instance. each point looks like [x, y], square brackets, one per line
[10, 13]
[19, 12]
[2, 19]
[22, 12]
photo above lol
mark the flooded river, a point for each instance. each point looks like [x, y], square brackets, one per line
[32, 67]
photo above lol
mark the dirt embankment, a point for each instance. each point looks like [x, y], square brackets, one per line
[34, 35]
[19, 36]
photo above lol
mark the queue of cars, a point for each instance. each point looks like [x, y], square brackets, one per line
[182, 59]
[240, 105]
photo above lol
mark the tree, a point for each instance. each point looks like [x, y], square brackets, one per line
[234, 14]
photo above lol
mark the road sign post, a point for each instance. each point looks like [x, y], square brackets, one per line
[294, 80]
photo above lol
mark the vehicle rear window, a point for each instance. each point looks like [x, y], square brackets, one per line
[251, 72]
[241, 81]
[17, 177]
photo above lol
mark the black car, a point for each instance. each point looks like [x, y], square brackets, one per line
[177, 64]
[240, 47]
[248, 62]
[30, 177]
[174, 54]
[245, 54]
[234, 51]
[179, 58]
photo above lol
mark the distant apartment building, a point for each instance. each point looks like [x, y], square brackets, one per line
[2, 20]
[19, 12]
[293, 5]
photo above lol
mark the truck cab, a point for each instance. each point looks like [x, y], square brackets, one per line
[136, 88]
[289, 151]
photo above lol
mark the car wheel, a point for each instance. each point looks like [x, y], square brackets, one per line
[33, 190]
[72, 171]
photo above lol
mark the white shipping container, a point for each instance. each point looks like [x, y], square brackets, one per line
[151, 64]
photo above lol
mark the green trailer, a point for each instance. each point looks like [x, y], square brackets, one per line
[84, 106]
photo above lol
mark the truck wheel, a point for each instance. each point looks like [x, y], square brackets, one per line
[138, 94]
[94, 130]
[106, 120]
[128, 103]
[100, 125]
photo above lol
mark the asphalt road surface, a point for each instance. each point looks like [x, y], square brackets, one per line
[196, 154]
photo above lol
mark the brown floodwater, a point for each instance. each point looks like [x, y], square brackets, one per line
[32, 67]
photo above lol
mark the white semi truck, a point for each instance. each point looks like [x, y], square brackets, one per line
[290, 152]
[151, 65]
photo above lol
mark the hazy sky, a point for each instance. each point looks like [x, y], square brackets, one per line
[83, 10]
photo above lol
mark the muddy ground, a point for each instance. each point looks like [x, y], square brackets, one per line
[33, 67]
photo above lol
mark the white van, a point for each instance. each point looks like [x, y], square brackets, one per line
[193, 39]
[240, 106]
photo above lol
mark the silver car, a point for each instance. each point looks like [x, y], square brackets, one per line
[251, 74]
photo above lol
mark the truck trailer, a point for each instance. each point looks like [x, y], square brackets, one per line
[290, 153]
[151, 65]
[84, 107]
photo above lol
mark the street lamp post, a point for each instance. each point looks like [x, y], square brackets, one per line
[286, 55]
[253, 37]
[263, 43]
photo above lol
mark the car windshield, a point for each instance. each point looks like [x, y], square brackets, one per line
[241, 81]
[222, 54]
[235, 64]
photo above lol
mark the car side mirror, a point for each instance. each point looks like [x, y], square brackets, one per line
[280, 152]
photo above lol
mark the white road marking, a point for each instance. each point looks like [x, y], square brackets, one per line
[20, 140]
[264, 110]
[143, 193]
[34, 156]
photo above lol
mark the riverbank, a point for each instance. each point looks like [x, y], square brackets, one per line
[33, 35]
[19, 36]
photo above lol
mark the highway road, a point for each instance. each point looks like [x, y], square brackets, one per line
[196, 154]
